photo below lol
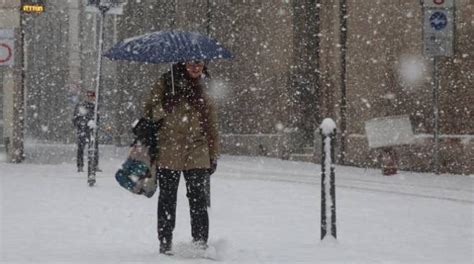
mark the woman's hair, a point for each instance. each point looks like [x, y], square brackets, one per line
[189, 89]
[179, 71]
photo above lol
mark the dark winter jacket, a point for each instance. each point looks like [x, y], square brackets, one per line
[188, 137]
[83, 114]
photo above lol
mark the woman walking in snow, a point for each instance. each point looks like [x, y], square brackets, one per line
[188, 143]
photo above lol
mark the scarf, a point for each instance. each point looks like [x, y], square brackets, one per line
[190, 90]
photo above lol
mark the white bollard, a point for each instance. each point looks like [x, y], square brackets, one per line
[328, 181]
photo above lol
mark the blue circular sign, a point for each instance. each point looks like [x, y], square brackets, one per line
[438, 20]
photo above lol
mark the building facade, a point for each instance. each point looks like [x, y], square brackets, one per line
[382, 38]
[296, 62]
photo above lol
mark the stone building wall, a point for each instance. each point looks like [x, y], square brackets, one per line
[285, 77]
[382, 36]
[258, 95]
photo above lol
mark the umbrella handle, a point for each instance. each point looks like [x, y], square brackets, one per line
[172, 79]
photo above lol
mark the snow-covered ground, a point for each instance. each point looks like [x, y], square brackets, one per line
[263, 211]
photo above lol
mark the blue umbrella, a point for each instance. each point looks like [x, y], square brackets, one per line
[168, 47]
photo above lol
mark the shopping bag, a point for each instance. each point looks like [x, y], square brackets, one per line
[137, 173]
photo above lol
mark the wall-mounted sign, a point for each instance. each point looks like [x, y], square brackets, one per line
[389, 131]
[32, 6]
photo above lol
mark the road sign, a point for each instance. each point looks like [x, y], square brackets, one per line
[439, 3]
[438, 20]
[6, 52]
[7, 47]
[438, 31]
[7, 33]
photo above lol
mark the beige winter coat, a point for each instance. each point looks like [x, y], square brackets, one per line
[182, 143]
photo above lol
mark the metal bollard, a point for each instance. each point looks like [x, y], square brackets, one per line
[328, 181]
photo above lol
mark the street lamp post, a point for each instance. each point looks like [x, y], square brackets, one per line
[104, 7]
[92, 151]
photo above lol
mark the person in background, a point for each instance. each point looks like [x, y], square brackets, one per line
[83, 123]
[188, 144]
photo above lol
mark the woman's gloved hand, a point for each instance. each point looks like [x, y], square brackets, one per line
[145, 131]
[213, 166]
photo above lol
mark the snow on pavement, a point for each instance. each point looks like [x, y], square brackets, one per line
[263, 211]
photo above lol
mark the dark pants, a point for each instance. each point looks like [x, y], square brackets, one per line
[196, 192]
[83, 140]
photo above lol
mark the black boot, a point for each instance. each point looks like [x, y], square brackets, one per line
[166, 247]
[200, 244]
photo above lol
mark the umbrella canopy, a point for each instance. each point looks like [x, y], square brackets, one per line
[168, 47]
